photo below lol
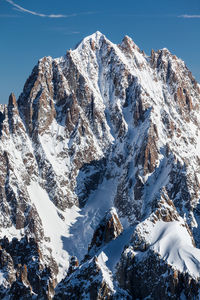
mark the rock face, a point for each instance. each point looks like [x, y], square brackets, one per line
[86, 282]
[100, 177]
[108, 229]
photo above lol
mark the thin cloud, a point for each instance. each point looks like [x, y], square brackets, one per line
[72, 32]
[22, 9]
[189, 16]
[63, 30]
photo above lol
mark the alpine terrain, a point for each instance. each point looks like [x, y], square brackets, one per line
[100, 177]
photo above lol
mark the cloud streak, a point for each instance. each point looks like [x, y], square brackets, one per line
[189, 16]
[54, 16]
[62, 30]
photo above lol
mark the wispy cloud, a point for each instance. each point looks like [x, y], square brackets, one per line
[71, 32]
[62, 30]
[189, 16]
[22, 9]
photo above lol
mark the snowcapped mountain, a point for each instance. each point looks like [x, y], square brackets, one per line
[100, 177]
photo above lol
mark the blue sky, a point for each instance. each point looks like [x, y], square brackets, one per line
[32, 29]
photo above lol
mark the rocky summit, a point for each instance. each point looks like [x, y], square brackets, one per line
[100, 177]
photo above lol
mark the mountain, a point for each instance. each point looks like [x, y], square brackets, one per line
[100, 177]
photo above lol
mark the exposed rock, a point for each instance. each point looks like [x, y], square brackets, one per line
[153, 278]
[108, 229]
[24, 268]
[86, 282]
[73, 265]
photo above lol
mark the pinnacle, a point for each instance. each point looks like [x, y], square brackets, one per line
[12, 100]
[165, 51]
[127, 42]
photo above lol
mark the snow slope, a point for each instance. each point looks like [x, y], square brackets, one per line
[173, 242]
[55, 227]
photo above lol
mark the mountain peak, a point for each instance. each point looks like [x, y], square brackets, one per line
[96, 37]
[97, 34]
[100, 177]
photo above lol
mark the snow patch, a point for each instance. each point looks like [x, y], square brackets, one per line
[107, 275]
